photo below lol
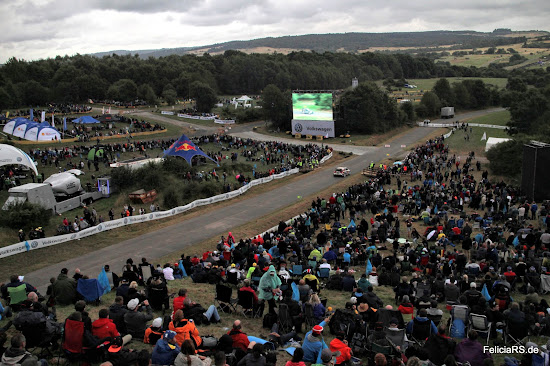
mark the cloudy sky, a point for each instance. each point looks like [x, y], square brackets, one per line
[35, 29]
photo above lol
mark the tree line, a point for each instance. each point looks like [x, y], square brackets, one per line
[78, 78]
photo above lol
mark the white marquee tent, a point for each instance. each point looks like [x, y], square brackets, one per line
[11, 155]
[492, 141]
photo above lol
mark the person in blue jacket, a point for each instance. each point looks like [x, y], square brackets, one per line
[422, 317]
[313, 343]
[166, 350]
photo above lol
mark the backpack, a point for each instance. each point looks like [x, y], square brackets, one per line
[458, 329]
[269, 320]
[342, 320]
[358, 344]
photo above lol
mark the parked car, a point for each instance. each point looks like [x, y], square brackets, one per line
[342, 171]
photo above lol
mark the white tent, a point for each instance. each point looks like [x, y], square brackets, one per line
[42, 132]
[12, 124]
[492, 141]
[244, 100]
[11, 155]
[21, 129]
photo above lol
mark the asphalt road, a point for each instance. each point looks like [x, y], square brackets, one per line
[195, 230]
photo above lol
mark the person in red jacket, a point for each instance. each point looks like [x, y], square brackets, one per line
[340, 344]
[240, 339]
[104, 327]
[177, 304]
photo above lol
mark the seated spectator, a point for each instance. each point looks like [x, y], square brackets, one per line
[188, 356]
[198, 314]
[157, 291]
[240, 339]
[166, 350]
[439, 346]
[324, 264]
[177, 303]
[372, 299]
[363, 283]
[303, 289]
[18, 355]
[168, 272]
[348, 282]
[154, 332]
[104, 327]
[123, 289]
[313, 343]
[406, 307]
[424, 326]
[137, 317]
[184, 329]
[297, 358]
[116, 314]
[340, 345]
[64, 289]
[378, 336]
[254, 358]
[470, 350]
[318, 307]
[80, 306]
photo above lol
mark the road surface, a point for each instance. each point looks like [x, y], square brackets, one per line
[191, 231]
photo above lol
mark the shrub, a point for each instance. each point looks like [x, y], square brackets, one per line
[26, 216]
[171, 199]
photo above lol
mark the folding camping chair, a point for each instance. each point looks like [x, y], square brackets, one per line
[245, 300]
[515, 332]
[223, 297]
[309, 318]
[145, 273]
[396, 337]
[324, 273]
[481, 325]
[285, 320]
[232, 278]
[17, 296]
[297, 270]
[458, 312]
[312, 264]
[436, 319]
[227, 256]
[73, 339]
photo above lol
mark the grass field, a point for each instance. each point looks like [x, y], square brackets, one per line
[497, 118]
[428, 84]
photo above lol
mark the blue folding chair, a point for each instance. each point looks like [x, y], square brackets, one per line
[297, 270]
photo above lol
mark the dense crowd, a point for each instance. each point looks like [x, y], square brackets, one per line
[482, 246]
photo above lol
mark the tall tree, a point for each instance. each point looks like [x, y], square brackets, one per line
[444, 91]
[431, 102]
[276, 106]
[204, 95]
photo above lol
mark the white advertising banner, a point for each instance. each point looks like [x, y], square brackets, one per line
[313, 128]
[130, 220]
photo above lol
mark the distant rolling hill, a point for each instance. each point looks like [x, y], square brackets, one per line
[349, 42]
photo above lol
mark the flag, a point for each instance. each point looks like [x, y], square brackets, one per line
[27, 246]
[484, 137]
[109, 110]
[7, 114]
[180, 265]
[369, 267]
[104, 281]
[32, 115]
[53, 121]
[295, 292]
[103, 110]
[485, 292]
[43, 117]
[64, 123]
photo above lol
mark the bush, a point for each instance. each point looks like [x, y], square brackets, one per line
[506, 158]
[209, 189]
[123, 178]
[25, 216]
[171, 199]
[149, 178]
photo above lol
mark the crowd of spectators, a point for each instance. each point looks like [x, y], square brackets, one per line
[482, 269]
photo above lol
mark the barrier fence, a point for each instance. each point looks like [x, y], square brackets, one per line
[34, 244]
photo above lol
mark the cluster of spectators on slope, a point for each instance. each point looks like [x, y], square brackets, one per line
[282, 274]
[52, 108]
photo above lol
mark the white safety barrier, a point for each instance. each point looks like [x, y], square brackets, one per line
[499, 127]
[28, 245]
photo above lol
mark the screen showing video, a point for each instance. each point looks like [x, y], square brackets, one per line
[312, 106]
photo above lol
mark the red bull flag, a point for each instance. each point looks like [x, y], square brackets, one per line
[185, 148]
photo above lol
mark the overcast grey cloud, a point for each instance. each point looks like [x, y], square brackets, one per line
[34, 29]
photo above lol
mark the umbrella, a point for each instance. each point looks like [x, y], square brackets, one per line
[431, 234]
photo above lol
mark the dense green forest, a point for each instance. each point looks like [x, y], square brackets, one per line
[124, 78]
[349, 42]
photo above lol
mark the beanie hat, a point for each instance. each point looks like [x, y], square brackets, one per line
[157, 323]
[132, 304]
[473, 285]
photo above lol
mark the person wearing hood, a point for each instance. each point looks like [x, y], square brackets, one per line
[269, 286]
[439, 346]
[372, 299]
[283, 272]
[363, 283]
[64, 289]
[314, 343]
[166, 350]
[154, 332]
[339, 346]
[18, 355]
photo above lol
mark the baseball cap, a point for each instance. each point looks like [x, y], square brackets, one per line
[157, 323]
[473, 284]
[317, 329]
[116, 344]
[169, 334]
[132, 304]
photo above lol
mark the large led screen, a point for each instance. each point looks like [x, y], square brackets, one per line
[312, 106]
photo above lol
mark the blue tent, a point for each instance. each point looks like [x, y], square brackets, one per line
[85, 119]
[185, 148]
